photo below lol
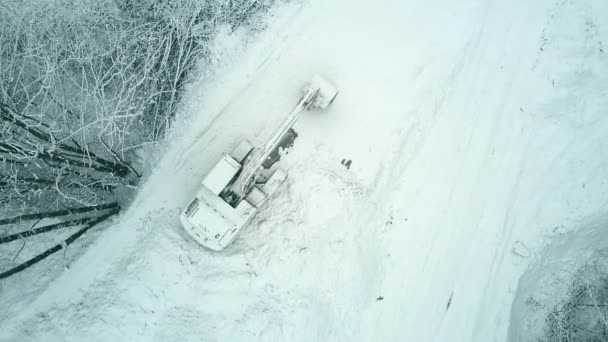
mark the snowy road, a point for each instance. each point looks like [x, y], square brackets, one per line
[472, 126]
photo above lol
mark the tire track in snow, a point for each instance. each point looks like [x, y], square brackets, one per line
[523, 193]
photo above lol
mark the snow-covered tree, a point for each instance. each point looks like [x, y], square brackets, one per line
[583, 314]
[83, 85]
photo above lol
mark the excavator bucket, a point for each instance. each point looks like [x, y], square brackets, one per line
[326, 92]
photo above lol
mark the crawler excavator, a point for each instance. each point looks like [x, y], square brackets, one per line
[235, 189]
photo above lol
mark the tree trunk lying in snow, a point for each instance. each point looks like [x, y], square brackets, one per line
[87, 224]
[92, 223]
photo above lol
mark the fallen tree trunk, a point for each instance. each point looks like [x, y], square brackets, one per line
[50, 214]
[44, 229]
[58, 246]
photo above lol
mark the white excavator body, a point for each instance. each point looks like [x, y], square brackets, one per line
[233, 191]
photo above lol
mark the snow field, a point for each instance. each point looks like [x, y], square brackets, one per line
[471, 126]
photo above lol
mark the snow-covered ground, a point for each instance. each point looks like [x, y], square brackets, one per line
[477, 132]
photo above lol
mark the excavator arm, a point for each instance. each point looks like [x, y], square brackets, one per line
[318, 94]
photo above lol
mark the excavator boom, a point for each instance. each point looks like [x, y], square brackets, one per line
[318, 94]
